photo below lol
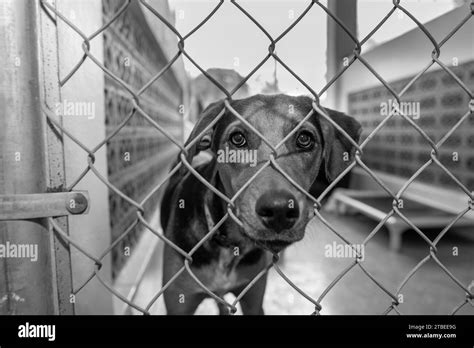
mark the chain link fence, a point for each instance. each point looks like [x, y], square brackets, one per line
[393, 299]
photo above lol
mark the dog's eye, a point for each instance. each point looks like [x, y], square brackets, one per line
[205, 142]
[238, 139]
[305, 140]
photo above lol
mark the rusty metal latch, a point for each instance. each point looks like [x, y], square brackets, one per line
[40, 205]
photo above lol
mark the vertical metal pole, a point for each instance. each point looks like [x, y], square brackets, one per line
[27, 286]
[340, 45]
[50, 94]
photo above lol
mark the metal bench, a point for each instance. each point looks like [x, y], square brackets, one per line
[376, 205]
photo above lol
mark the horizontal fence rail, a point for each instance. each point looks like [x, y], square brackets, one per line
[393, 299]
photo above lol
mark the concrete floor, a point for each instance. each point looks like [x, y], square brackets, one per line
[429, 291]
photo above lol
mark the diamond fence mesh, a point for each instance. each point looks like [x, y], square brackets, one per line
[393, 300]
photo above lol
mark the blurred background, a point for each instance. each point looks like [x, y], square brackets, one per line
[229, 46]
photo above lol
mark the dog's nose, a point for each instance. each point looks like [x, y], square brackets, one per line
[278, 210]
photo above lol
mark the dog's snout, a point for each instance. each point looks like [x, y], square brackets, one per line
[278, 210]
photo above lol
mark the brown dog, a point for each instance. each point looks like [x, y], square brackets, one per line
[273, 212]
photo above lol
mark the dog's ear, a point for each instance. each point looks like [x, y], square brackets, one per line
[338, 151]
[205, 119]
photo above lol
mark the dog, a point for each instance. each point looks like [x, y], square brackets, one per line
[272, 211]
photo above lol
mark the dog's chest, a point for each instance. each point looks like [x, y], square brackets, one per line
[221, 274]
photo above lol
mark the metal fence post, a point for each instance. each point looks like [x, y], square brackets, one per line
[30, 163]
[340, 45]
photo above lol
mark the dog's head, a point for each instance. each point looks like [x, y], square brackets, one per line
[274, 212]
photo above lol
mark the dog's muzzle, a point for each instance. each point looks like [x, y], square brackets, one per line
[278, 210]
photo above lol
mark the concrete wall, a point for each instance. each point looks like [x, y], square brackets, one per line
[409, 53]
[397, 150]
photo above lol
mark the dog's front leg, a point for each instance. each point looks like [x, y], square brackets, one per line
[178, 303]
[252, 302]
[183, 295]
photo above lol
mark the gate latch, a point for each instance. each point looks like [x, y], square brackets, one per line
[41, 205]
